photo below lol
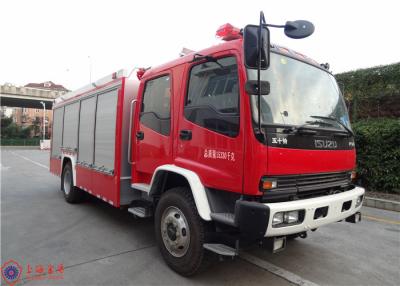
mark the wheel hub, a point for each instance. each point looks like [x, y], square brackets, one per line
[171, 231]
[67, 182]
[175, 231]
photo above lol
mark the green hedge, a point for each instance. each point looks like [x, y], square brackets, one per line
[19, 142]
[372, 92]
[378, 154]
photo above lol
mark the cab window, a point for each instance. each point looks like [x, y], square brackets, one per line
[213, 96]
[156, 107]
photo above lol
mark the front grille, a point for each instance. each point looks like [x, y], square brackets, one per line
[307, 183]
[295, 187]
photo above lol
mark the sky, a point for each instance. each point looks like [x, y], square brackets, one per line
[69, 42]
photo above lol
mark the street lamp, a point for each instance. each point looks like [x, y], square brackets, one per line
[44, 116]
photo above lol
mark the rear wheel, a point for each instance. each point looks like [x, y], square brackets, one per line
[71, 193]
[180, 232]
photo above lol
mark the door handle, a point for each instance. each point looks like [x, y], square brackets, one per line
[140, 135]
[185, 134]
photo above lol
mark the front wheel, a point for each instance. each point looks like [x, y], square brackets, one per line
[180, 232]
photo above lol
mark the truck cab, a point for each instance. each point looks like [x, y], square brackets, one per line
[196, 116]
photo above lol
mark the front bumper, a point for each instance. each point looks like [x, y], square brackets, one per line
[255, 219]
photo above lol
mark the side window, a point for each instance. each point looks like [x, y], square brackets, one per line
[213, 96]
[156, 107]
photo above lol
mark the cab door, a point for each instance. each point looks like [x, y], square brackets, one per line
[153, 134]
[210, 141]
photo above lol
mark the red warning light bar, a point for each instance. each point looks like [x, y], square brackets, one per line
[228, 32]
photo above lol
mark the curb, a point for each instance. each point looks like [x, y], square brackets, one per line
[382, 204]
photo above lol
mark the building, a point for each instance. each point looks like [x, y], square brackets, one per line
[25, 117]
[48, 85]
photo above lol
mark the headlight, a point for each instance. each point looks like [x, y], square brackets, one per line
[278, 219]
[287, 218]
[291, 217]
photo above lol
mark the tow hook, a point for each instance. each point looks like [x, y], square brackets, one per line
[354, 218]
[303, 235]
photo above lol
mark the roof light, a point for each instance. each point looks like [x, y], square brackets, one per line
[228, 32]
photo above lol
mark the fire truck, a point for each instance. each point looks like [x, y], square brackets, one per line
[242, 142]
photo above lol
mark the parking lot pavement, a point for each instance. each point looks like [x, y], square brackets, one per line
[98, 244]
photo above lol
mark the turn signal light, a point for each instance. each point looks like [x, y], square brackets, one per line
[268, 184]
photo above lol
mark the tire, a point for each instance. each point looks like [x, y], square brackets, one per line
[177, 217]
[72, 194]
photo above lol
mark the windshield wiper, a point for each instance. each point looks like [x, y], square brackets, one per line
[336, 120]
[199, 57]
[303, 129]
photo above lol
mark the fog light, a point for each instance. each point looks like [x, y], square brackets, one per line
[291, 217]
[277, 219]
[359, 201]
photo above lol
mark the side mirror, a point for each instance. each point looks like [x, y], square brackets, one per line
[251, 87]
[299, 29]
[251, 44]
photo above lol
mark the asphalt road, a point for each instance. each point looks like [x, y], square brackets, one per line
[97, 244]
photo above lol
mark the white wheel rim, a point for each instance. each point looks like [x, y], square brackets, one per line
[175, 231]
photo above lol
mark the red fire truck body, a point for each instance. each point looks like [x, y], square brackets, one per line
[185, 132]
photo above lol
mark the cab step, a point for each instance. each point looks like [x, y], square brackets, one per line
[224, 218]
[220, 249]
[141, 212]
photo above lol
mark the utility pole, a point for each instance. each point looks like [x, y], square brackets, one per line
[44, 118]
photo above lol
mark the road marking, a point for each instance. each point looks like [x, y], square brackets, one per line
[27, 159]
[278, 271]
[4, 168]
[381, 219]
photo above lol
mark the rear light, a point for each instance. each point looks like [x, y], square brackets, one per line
[228, 32]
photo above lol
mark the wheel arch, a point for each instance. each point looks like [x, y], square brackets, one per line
[65, 160]
[168, 176]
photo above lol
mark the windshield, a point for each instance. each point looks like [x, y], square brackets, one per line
[301, 94]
